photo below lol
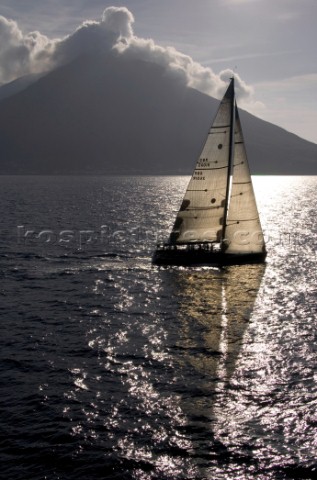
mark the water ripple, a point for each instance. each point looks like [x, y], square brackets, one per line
[112, 368]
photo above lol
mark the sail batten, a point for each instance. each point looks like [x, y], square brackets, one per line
[235, 221]
[214, 168]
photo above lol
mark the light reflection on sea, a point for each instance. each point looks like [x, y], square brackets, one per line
[118, 369]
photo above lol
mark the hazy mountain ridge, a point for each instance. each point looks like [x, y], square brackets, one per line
[104, 114]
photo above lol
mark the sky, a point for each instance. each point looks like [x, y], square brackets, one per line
[269, 44]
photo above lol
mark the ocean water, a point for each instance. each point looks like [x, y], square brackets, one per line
[112, 368]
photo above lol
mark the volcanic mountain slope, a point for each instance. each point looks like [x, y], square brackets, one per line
[102, 114]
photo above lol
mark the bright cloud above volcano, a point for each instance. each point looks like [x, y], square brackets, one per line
[22, 54]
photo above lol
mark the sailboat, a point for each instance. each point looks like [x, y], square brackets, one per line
[218, 222]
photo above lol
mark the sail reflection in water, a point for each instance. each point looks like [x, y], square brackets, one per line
[215, 309]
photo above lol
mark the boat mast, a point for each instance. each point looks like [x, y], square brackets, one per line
[230, 160]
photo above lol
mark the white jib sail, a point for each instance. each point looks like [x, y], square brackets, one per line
[200, 217]
[243, 232]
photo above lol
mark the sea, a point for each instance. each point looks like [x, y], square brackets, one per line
[112, 368]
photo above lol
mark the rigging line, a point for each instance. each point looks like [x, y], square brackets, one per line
[231, 152]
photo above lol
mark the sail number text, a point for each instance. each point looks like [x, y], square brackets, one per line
[203, 163]
[198, 175]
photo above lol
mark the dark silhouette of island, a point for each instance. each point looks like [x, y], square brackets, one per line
[108, 114]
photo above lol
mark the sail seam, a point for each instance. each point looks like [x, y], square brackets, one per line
[241, 183]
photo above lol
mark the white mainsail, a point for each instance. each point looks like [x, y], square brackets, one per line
[202, 212]
[243, 230]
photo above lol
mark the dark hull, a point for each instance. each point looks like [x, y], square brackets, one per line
[205, 258]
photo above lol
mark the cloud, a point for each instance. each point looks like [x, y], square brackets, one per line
[118, 20]
[33, 53]
[114, 28]
[21, 54]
